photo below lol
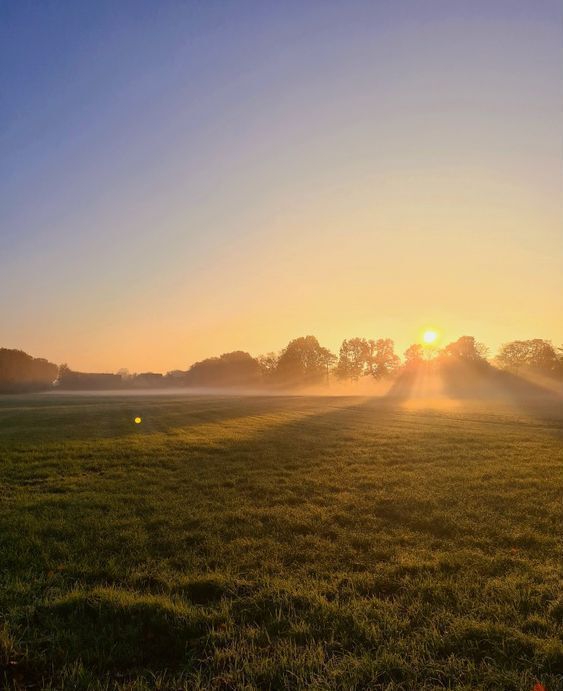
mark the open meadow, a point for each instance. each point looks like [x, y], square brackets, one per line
[279, 542]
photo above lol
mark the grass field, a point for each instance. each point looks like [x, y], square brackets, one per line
[278, 542]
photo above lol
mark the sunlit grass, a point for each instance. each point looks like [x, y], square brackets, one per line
[282, 542]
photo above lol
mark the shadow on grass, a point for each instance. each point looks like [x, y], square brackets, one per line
[119, 630]
[481, 381]
[27, 423]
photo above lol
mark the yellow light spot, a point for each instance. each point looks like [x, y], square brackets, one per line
[137, 420]
[429, 336]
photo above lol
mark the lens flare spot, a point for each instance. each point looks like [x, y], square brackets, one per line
[138, 420]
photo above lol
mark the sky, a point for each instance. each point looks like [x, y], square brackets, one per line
[182, 179]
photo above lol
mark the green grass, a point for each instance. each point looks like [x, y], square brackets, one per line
[283, 542]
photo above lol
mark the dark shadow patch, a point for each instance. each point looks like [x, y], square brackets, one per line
[203, 591]
[110, 629]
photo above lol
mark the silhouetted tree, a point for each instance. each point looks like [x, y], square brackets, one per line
[464, 369]
[230, 369]
[353, 358]
[536, 355]
[175, 378]
[463, 365]
[63, 373]
[414, 355]
[465, 349]
[22, 372]
[268, 365]
[381, 359]
[304, 362]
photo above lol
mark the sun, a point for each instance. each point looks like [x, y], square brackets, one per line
[429, 336]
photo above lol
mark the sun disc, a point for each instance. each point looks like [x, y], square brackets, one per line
[429, 336]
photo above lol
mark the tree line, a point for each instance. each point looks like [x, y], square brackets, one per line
[20, 372]
[304, 362]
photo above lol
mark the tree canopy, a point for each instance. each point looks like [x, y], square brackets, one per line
[22, 372]
[303, 362]
[237, 368]
[535, 355]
